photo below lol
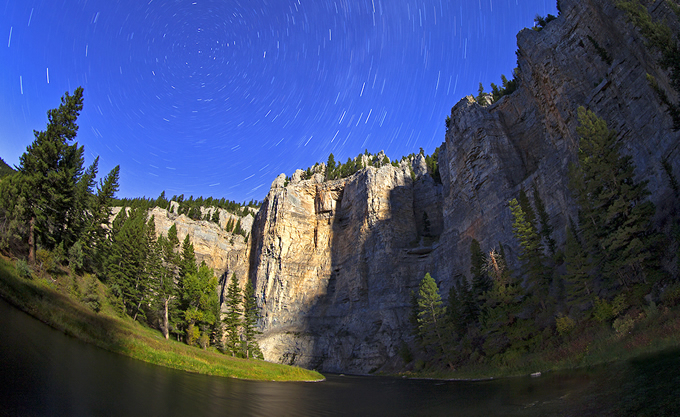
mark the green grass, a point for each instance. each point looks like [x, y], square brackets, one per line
[53, 299]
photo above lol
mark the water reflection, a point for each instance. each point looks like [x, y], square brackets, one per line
[43, 372]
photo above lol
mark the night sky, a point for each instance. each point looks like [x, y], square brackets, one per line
[217, 98]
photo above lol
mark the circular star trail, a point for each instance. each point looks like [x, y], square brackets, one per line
[216, 98]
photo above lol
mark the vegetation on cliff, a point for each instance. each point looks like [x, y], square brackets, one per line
[605, 288]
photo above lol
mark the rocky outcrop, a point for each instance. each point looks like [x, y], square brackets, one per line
[335, 262]
[223, 251]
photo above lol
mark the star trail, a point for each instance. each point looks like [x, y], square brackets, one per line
[217, 98]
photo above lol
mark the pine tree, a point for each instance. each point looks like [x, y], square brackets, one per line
[544, 221]
[525, 204]
[330, 167]
[50, 169]
[500, 318]
[251, 315]
[454, 312]
[188, 265]
[199, 296]
[232, 320]
[469, 308]
[531, 253]
[616, 217]
[430, 316]
[97, 231]
[578, 279]
[80, 211]
[126, 265]
[168, 273]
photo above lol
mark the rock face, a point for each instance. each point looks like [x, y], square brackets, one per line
[334, 262]
[223, 251]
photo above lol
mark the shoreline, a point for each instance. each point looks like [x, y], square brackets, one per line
[42, 300]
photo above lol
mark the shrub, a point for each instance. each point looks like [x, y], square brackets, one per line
[204, 341]
[91, 297]
[605, 311]
[193, 334]
[23, 270]
[76, 256]
[74, 289]
[623, 325]
[671, 295]
[565, 325]
[45, 260]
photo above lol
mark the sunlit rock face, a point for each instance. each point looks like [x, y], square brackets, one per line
[223, 251]
[335, 262]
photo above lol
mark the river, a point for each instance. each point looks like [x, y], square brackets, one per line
[46, 373]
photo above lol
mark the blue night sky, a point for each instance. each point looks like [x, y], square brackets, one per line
[218, 97]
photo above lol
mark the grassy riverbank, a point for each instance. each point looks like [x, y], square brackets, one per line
[654, 332]
[54, 299]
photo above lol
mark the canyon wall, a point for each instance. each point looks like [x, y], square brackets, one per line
[335, 262]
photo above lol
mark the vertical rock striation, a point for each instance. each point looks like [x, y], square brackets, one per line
[335, 262]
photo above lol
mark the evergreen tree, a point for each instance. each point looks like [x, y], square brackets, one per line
[544, 221]
[13, 215]
[50, 169]
[616, 217]
[500, 319]
[168, 272]
[454, 312]
[126, 265]
[430, 315]
[232, 320]
[188, 265]
[529, 214]
[77, 217]
[530, 253]
[579, 283]
[173, 240]
[469, 307]
[95, 237]
[251, 314]
[199, 296]
[330, 167]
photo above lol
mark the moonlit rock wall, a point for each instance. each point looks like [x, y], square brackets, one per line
[335, 262]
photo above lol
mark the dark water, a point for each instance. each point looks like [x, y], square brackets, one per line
[45, 373]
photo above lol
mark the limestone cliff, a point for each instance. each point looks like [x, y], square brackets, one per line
[334, 262]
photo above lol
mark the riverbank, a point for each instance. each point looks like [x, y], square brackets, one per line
[653, 332]
[55, 299]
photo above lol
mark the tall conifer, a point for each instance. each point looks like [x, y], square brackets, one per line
[616, 217]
